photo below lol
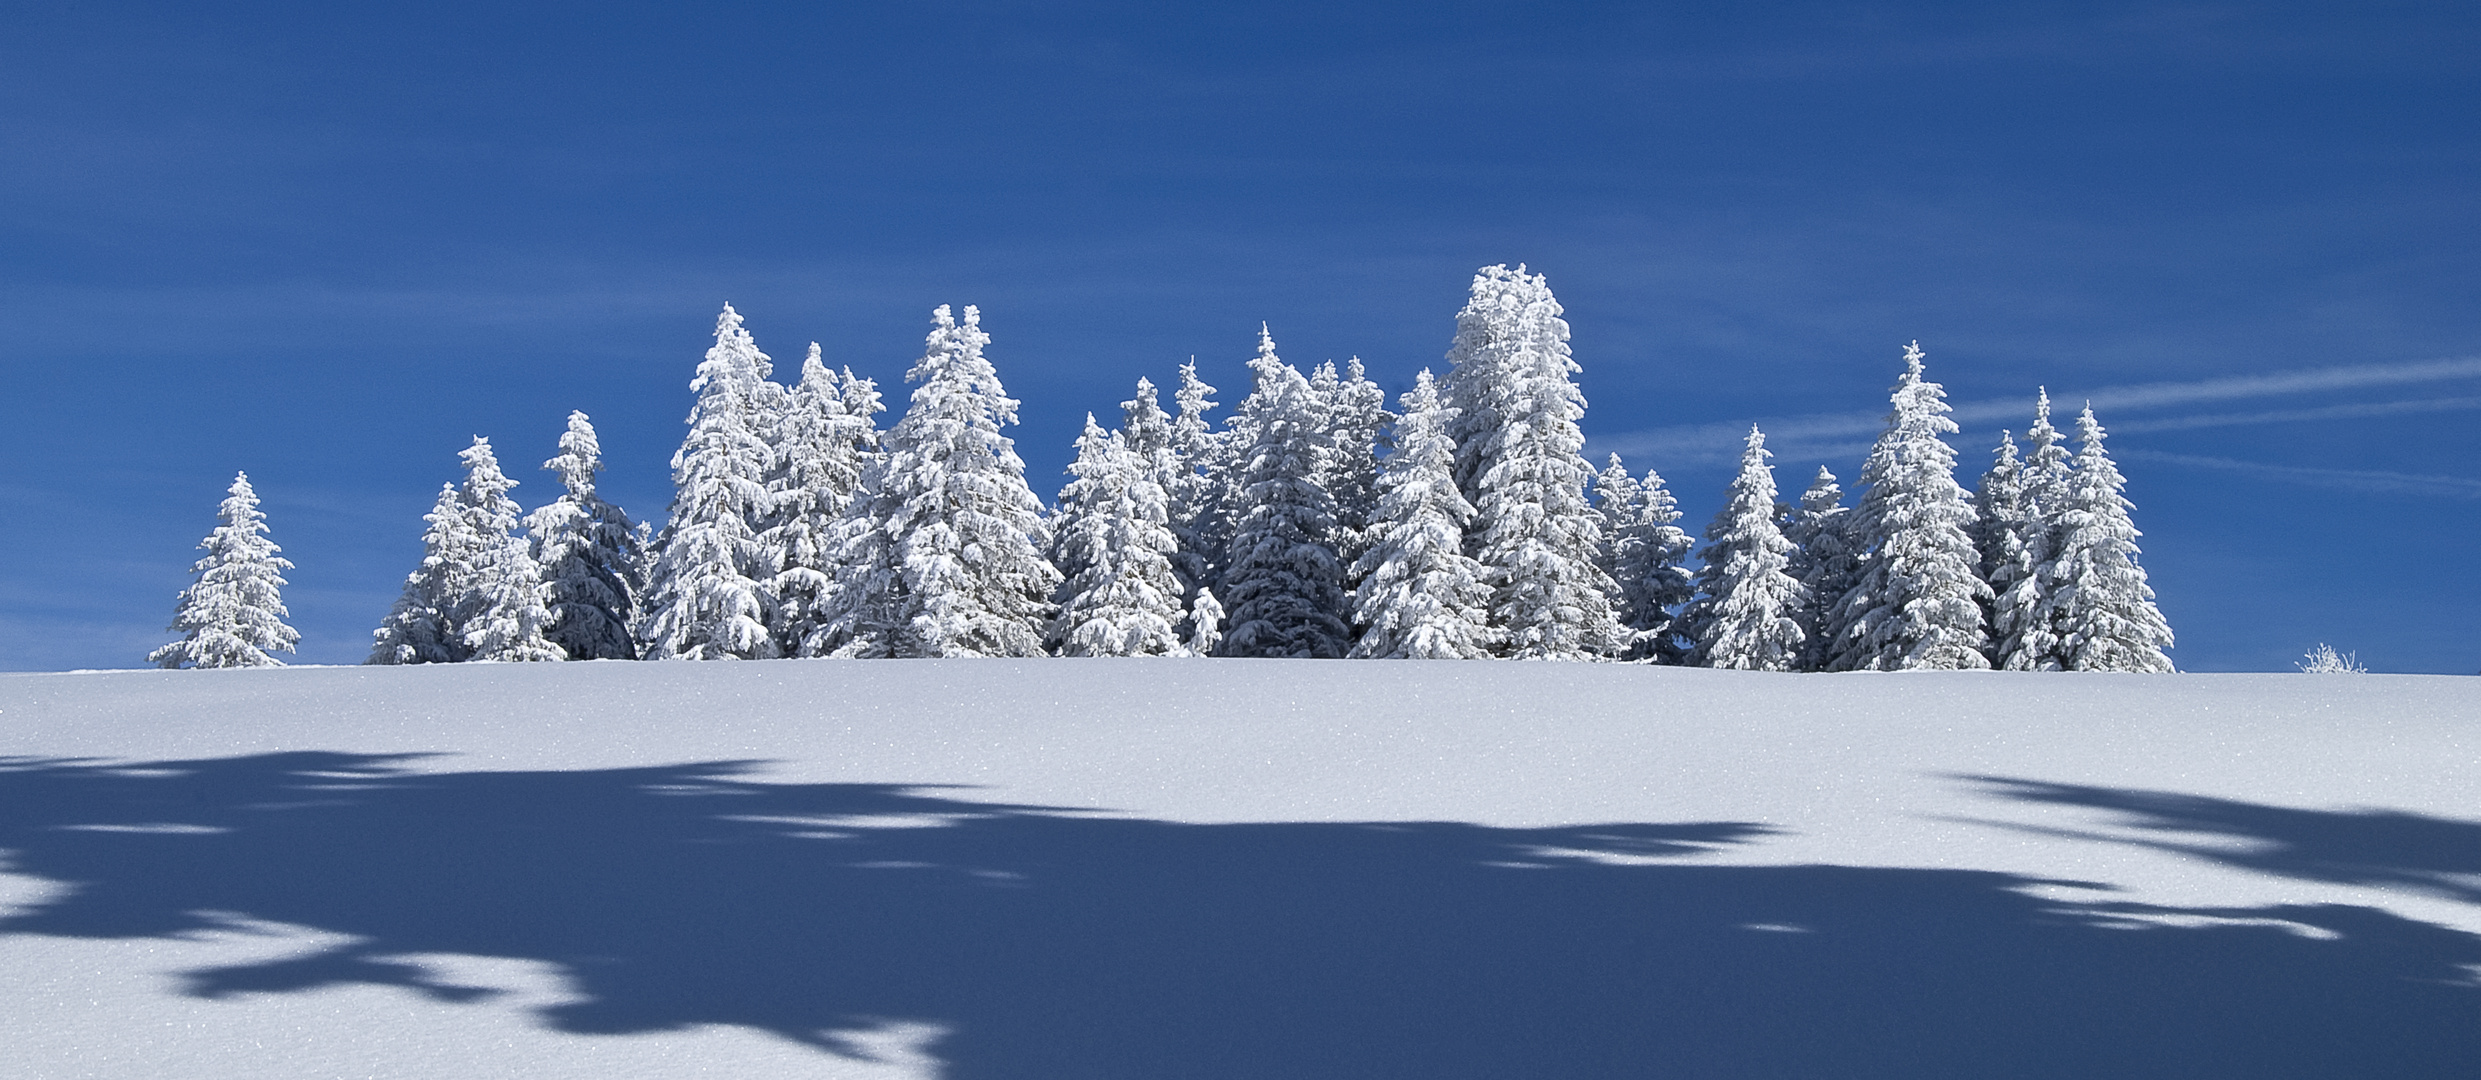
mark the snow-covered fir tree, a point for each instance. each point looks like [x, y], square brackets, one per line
[2024, 638]
[1518, 462]
[1199, 510]
[2098, 598]
[706, 588]
[1281, 578]
[1420, 596]
[941, 551]
[589, 554]
[1648, 553]
[1203, 633]
[820, 448]
[1999, 534]
[1113, 545]
[504, 607]
[1357, 420]
[1823, 561]
[233, 614]
[1918, 601]
[419, 628]
[1747, 612]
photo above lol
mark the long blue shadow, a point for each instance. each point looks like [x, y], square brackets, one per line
[1054, 944]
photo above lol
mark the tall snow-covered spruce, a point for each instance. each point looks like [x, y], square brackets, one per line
[824, 436]
[2098, 600]
[1282, 579]
[705, 592]
[233, 614]
[1113, 545]
[1420, 596]
[1918, 601]
[588, 551]
[941, 551]
[1747, 612]
[1518, 462]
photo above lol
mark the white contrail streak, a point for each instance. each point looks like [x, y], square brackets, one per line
[1704, 442]
[2389, 483]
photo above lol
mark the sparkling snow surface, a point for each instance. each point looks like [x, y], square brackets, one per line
[1180, 868]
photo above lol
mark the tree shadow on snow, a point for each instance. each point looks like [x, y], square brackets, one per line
[1053, 944]
[2386, 848]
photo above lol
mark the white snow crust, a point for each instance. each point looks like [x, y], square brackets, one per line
[1180, 867]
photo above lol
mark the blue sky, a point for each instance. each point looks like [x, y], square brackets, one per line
[328, 245]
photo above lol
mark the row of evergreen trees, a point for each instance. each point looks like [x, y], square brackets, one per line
[1312, 523]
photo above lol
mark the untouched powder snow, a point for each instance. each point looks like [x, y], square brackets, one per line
[1158, 868]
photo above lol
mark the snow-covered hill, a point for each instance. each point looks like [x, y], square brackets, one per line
[1175, 868]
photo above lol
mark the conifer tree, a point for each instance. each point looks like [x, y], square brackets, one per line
[1518, 462]
[1204, 636]
[2098, 598]
[233, 614]
[1281, 577]
[2025, 635]
[1420, 596]
[705, 592]
[589, 554]
[1113, 547]
[1999, 534]
[1357, 420]
[1199, 512]
[820, 449]
[1647, 553]
[503, 608]
[940, 552]
[1917, 601]
[420, 627]
[1746, 615]
[1823, 561]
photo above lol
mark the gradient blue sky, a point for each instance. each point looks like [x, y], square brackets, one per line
[328, 243]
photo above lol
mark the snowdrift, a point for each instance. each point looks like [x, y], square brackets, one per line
[1180, 868]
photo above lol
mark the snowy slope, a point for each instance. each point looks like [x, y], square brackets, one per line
[1173, 868]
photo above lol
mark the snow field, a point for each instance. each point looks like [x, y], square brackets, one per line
[2335, 813]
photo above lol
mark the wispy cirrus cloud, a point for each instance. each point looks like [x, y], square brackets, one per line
[2373, 481]
[1843, 433]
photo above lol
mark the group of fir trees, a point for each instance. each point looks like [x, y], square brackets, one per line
[1313, 523]
[2036, 571]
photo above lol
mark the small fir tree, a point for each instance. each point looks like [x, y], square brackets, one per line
[1917, 603]
[1648, 553]
[1823, 561]
[2098, 598]
[589, 554]
[705, 592]
[941, 551]
[1518, 462]
[233, 614]
[1999, 534]
[1746, 615]
[1357, 420]
[420, 628]
[1420, 596]
[2026, 638]
[1113, 546]
[1204, 635]
[1281, 577]
[503, 609]
[1200, 511]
